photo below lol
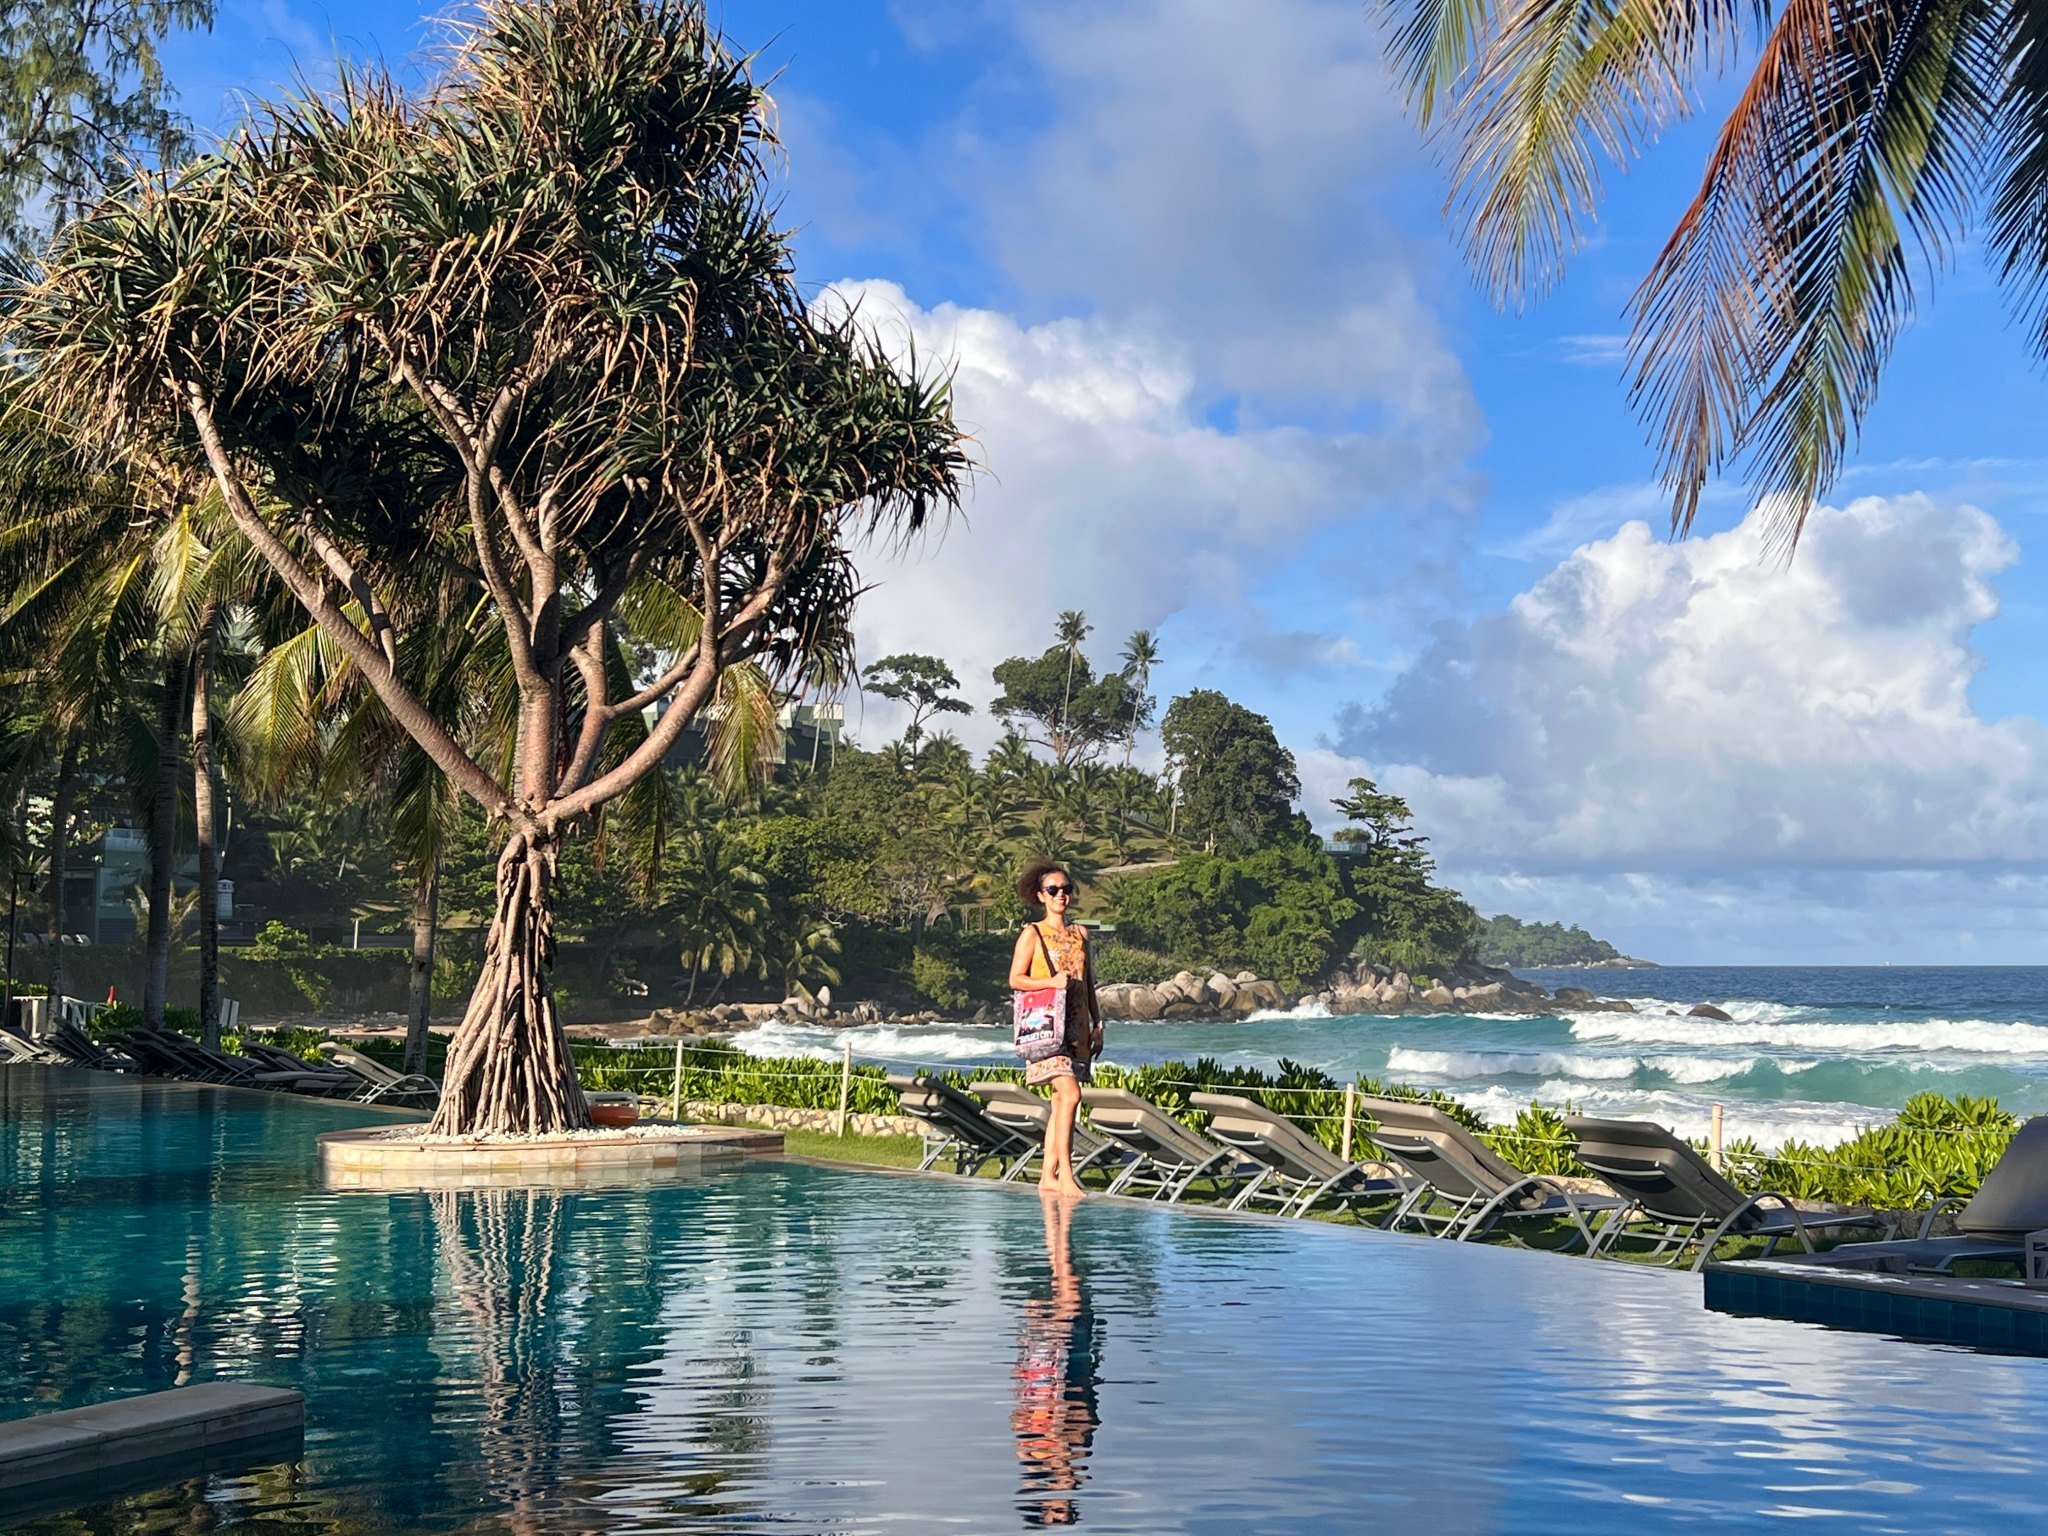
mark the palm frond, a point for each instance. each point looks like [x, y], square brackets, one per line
[1767, 320]
[1559, 87]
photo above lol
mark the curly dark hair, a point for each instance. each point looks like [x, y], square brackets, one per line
[1033, 877]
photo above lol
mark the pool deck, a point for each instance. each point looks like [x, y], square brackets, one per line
[1993, 1314]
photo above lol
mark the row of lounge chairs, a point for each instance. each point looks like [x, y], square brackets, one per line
[342, 1072]
[1430, 1173]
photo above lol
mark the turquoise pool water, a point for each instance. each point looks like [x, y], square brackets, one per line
[802, 1350]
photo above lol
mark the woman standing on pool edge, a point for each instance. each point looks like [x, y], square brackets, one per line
[1048, 949]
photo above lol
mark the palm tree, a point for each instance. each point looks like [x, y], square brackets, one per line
[1762, 329]
[718, 910]
[87, 615]
[1009, 759]
[1140, 655]
[1074, 628]
[75, 623]
[202, 575]
[801, 955]
[1046, 838]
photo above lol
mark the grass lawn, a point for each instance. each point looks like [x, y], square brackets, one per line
[871, 1151]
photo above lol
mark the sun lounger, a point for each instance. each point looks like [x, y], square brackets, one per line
[1676, 1201]
[1024, 1114]
[957, 1126]
[329, 1081]
[76, 1046]
[1167, 1157]
[1300, 1169]
[1991, 1226]
[380, 1081]
[165, 1054]
[1464, 1188]
[16, 1050]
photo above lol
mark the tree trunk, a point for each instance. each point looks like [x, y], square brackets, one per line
[426, 922]
[509, 1069]
[63, 806]
[163, 834]
[203, 822]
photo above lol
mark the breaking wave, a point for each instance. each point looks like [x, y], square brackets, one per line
[1769, 1122]
[877, 1042]
[1460, 1065]
[1310, 1010]
[1982, 1037]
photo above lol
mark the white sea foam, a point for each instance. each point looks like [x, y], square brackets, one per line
[1702, 1069]
[1464, 1065]
[1770, 1123]
[1305, 1010]
[1974, 1036]
[877, 1042]
[1403, 1064]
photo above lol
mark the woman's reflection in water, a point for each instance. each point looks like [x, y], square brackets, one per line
[1058, 1346]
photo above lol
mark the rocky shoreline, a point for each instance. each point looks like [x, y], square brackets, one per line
[1191, 996]
[1469, 988]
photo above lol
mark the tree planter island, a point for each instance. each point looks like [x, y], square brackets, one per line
[411, 1157]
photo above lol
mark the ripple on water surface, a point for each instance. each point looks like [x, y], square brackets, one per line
[800, 1349]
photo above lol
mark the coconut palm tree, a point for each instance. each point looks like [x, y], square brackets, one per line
[1074, 628]
[1009, 760]
[99, 577]
[75, 622]
[1863, 132]
[801, 955]
[718, 909]
[1140, 656]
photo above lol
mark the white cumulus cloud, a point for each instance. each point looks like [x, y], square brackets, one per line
[1107, 490]
[1702, 706]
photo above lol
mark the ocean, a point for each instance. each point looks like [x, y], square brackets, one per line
[1811, 1053]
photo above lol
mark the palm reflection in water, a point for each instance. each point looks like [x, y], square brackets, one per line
[1058, 1346]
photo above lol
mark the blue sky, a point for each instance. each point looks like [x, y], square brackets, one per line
[1230, 381]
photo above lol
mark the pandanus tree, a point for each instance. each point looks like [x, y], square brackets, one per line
[560, 260]
[1868, 132]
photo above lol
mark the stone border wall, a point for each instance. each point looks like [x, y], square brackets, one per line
[783, 1117]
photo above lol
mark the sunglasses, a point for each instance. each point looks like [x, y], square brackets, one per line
[1055, 890]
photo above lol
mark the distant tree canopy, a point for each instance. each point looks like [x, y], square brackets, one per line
[1280, 910]
[1237, 783]
[1505, 940]
[83, 100]
[1056, 701]
[1405, 919]
[925, 683]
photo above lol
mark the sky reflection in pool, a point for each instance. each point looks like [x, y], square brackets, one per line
[811, 1350]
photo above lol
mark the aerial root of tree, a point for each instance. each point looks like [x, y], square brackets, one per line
[509, 1069]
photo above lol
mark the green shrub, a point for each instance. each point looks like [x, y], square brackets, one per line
[938, 978]
[1538, 1143]
[1117, 961]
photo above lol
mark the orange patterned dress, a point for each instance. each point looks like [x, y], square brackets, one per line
[1068, 947]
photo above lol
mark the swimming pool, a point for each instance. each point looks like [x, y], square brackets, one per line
[806, 1350]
